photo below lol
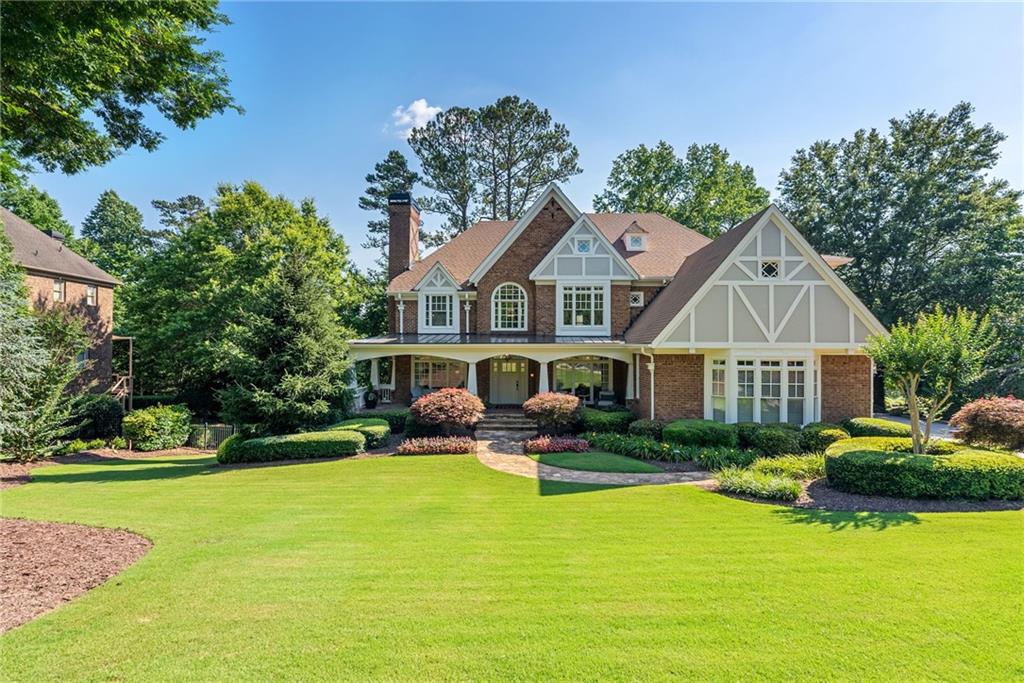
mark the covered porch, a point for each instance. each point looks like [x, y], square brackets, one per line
[502, 371]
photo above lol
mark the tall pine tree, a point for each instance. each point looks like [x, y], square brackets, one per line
[115, 227]
[390, 175]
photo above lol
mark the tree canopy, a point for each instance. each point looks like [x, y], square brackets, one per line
[77, 77]
[703, 190]
[115, 231]
[34, 205]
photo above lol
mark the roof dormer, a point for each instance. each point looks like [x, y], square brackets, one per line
[634, 238]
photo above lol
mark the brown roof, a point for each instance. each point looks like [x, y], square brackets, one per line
[694, 272]
[668, 243]
[35, 250]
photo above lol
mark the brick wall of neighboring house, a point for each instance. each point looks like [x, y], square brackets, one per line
[99, 322]
[409, 316]
[845, 387]
[521, 258]
[678, 387]
[544, 304]
[403, 380]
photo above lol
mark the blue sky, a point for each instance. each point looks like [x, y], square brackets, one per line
[320, 84]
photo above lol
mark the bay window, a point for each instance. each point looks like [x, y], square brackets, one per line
[768, 391]
[745, 391]
[771, 390]
[718, 370]
[796, 392]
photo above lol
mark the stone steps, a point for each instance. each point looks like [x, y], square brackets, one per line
[511, 422]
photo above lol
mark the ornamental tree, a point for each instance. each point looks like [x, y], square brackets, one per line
[929, 359]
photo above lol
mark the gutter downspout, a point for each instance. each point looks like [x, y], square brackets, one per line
[650, 368]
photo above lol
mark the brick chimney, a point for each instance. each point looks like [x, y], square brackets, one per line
[403, 233]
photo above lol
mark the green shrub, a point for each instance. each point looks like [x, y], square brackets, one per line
[118, 442]
[326, 444]
[818, 436]
[100, 414]
[157, 428]
[414, 429]
[376, 430]
[140, 401]
[875, 426]
[972, 474]
[793, 466]
[592, 420]
[713, 458]
[395, 418]
[227, 451]
[553, 412]
[757, 484]
[700, 433]
[652, 429]
[639, 447]
[775, 440]
[745, 433]
[72, 447]
[891, 445]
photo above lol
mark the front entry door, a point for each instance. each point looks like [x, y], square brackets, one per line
[508, 381]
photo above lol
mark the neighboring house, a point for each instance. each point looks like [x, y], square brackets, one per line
[625, 308]
[57, 276]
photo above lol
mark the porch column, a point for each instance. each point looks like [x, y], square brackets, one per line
[629, 378]
[542, 384]
[357, 395]
[650, 368]
[471, 378]
[375, 373]
[391, 382]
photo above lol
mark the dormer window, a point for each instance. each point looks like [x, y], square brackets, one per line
[636, 242]
[770, 269]
[439, 312]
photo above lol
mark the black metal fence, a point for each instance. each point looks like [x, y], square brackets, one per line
[208, 435]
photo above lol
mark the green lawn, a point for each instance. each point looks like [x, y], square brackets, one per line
[439, 568]
[595, 461]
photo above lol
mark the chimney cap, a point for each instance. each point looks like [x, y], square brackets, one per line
[402, 199]
[56, 234]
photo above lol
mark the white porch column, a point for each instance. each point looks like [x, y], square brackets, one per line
[375, 373]
[471, 378]
[391, 382]
[542, 384]
[401, 317]
[630, 395]
[650, 368]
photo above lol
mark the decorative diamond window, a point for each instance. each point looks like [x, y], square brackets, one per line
[636, 299]
[770, 269]
[583, 246]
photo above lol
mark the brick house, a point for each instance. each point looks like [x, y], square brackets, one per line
[57, 276]
[634, 309]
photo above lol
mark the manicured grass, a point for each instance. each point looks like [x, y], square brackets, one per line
[595, 461]
[439, 568]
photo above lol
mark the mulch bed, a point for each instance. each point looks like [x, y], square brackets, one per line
[818, 495]
[18, 473]
[46, 564]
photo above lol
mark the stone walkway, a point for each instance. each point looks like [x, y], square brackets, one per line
[503, 451]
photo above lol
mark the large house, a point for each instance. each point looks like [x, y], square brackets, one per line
[630, 308]
[57, 276]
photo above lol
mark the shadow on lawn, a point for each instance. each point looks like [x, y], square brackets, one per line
[841, 520]
[115, 469]
[546, 487]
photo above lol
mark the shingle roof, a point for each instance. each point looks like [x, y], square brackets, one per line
[694, 272]
[668, 243]
[36, 250]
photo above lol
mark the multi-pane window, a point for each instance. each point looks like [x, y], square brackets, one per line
[436, 373]
[584, 376]
[508, 309]
[583, 306]
[90, 295]
[718, 390]
[795, 392]
[771, 390]
[59, 287]
[440, 310]
[744, 391]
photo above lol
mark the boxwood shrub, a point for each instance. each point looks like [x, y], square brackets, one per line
[326, 444]
[395, 418]
[775, 440]
[875, 426]
[757, 484]
[652, 429]
[818, 436]
[973, 474]
[891, 445]
[157, 427]
[593, 420]
[376, 430]
[700, 433]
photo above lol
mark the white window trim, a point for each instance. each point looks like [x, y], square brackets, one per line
[61, 285]
[435, 359]
[583, 330]
[812, 393]
[91, 292]
[640, 303]
[778, 268]
[424, 317]
[494, 310]
[629, 240]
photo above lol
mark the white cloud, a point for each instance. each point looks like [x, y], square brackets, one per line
[416, 115]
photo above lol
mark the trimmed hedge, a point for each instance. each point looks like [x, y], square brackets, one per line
[700, 433]
[376, 430]
[395, 418]
[228, 449]
[101, 414]
[776, 440]
[794, 466]
[157, 428]
[593, 420]
[818, 436]
[757, 484]
[973, 474]
[327, 444]
[437, 445]
[652, 429]
[875, 426]
[890, 445]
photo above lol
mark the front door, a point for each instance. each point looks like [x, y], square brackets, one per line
[508, 381]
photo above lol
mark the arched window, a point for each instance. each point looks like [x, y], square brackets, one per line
[508, 307]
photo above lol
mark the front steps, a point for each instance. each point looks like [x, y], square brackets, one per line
[507, 422]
